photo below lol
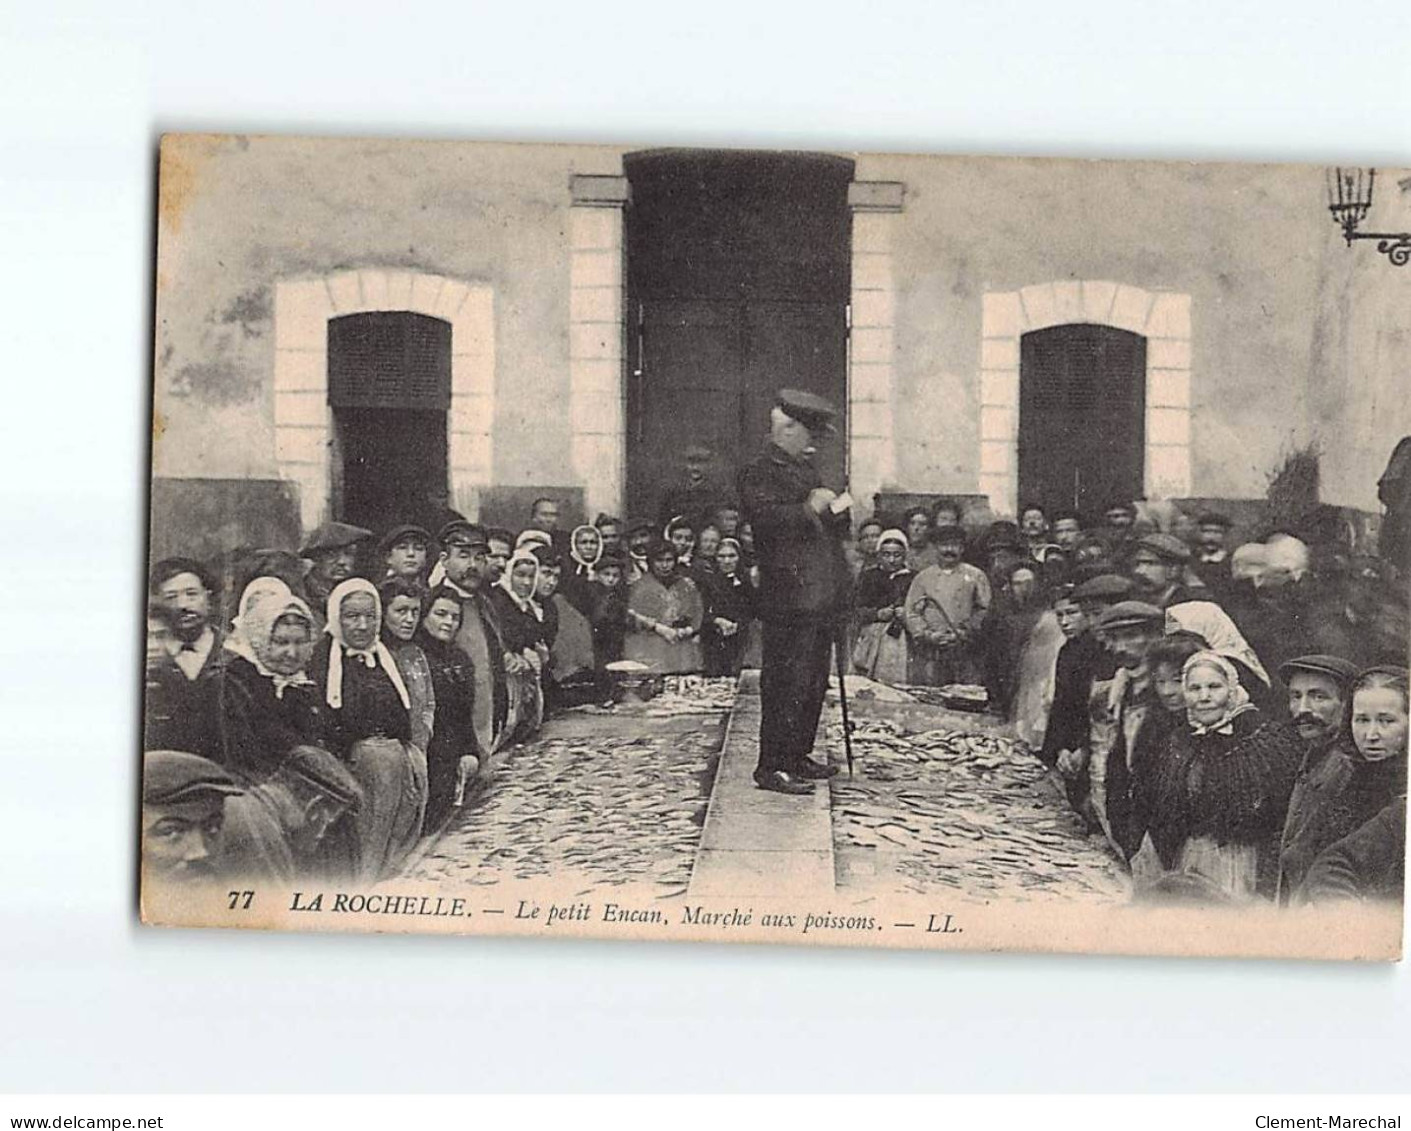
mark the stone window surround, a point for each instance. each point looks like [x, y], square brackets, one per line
[303, 421]
[1162, 317]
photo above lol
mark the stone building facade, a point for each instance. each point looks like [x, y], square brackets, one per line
[1219, 301]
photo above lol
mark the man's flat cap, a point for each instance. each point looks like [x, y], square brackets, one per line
[813, 412]
[1165, 546]
[1130, 614]
[950, 535]
[402, 533]
[612, 555]
[463, 532]
[1104, 587]
[173, 777]
[1343, 671]
[1213, 518]
[325, 773]
[334, 536]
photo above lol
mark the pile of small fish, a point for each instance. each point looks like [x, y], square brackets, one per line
[612, 810]
[680, 695]
[970, 812]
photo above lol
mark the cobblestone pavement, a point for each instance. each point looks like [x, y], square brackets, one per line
[603, 797]
[971, 813]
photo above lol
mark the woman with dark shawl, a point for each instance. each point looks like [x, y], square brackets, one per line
[369, 726]
[569, 676]
[729, 609]
[454, 758]
[267, 704]
[585, 550]
[401, 614]
[521, 624]
[1224, 787]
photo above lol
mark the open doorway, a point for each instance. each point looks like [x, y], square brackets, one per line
[389, 386]
[738, 281]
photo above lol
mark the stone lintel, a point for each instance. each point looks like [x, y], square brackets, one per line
[595, 190]
[876, 196]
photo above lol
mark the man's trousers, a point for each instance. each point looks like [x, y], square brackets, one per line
[793, 683]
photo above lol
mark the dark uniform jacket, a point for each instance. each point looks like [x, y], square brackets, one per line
[804, 574]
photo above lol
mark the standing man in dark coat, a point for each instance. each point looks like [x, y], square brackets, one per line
[799, 527]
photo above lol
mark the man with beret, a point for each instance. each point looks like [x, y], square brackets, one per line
[332, 553]
[1319, 689]
[406, 552]
[279, 830]
[183, 816]
[465, 565]
[799, 528]
[1127, 630]
[1157, 564]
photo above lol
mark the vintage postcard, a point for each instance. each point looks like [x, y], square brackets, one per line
[793, 547]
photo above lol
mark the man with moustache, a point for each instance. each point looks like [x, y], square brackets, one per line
[466, 566]
[1157, 564]
[183, 817]
[1318, 689]
[805, 585]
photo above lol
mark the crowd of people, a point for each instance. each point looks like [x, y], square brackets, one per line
[334, 705]
[1232, 719]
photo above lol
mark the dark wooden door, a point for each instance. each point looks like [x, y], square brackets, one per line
[394, 466]
[389, 385]
[738, 270]
[1082, 417]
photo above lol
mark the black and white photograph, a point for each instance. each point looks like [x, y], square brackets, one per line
[761, 545]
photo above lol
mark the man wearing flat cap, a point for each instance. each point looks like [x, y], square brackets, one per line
[183, 816]
[799, 528]
[1211, 560]
[1082, 663]
[286, 827]
[1121, 708]
[465, 566]
[1158, 565]
[406, 552]
[332, 552]
[1319, 689]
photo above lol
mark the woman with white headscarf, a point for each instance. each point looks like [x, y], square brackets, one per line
[1224, 789]
[585, 551]
[267, 702]
[881, 651]
[521, 623]
[369, 727]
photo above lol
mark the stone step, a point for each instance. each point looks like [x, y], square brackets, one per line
[757, 843]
